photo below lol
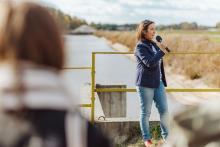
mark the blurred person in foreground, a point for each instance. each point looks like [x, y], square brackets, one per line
[35, 108]
[197, 126]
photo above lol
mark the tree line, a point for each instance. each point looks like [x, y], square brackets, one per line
[71, 22]
[180, 26]
[67, 21]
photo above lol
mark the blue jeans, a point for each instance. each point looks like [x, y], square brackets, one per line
[147, 96]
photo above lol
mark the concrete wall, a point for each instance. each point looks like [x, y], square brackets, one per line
[113, 103]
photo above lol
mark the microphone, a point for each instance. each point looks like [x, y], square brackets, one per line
[159, 39]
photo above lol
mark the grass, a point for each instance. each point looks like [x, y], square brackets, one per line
[125, 38]
[214, 36]
[204, 67]
[135, 138]
[191, 32]
[215, 39]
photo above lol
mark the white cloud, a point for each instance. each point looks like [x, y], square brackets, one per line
[136, 3]
[195, 4]
[133, 11]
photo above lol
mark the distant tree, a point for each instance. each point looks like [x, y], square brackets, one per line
[181, 26]
[114, 27]
[188, 26]
[65, 20]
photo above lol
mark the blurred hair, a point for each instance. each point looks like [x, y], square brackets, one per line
[142, 29]
[29, 32]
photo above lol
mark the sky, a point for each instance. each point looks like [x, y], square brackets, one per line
[204, 12]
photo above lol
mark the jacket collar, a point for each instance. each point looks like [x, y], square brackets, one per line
[148, 44]
[145, 41]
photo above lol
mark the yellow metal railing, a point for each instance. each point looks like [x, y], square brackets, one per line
[77, 68]
[167, 90]
[94, 89]
[80, 68]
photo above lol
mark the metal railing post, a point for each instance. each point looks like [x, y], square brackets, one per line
[93, 89]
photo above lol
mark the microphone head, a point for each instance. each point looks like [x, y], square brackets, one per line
[159, 39]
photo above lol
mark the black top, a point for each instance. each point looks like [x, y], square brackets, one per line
[49, 126]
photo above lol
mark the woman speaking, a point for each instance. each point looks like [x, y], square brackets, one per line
[150, 79]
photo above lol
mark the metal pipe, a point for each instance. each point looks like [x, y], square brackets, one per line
[167, 89]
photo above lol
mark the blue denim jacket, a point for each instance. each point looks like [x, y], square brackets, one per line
[148, 72]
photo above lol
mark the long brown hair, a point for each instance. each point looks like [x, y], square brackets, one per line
[31, 34]
[142, 29]
[28, 32]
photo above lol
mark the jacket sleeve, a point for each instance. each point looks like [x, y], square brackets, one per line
[146, 58]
